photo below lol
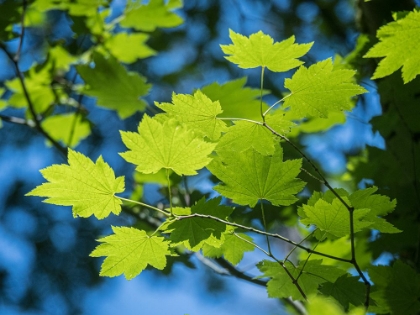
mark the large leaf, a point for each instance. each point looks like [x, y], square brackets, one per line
[128, 251]
[194, 232]
[399, 45]
[86, 186]
[346, 290]
[168, 145]
[258, 50]
[319, 89]
[147, 17]
[114, 87]
[334, 218]
[250, 176]
[197, 112]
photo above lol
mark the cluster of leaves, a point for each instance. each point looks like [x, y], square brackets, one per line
[227, 131]
[246, 155]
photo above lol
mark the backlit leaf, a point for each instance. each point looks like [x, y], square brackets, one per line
[250, 176]
[129, 47]
[88, 187]
[147, 17]
[129, 251]
[320, 88]
[114, 86]
[399, 45]
[197, 112]
[258, 50]
[168, 145]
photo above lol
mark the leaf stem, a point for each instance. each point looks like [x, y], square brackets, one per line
[278, 102]
[164, 212]
[169, 191]
[265, 227]
[240, 119]
[261, 93]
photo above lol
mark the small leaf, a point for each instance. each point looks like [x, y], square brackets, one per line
[86, 186]
[233, 248]
[398, 44]
[194, 232]
[197, 112]
[166, 145]
[67, 127]
[114, 87]
[259, 51]
[152, 15]
[319, 89]
[129, 47]
[128, 251]
[235, 99]
[249, 177]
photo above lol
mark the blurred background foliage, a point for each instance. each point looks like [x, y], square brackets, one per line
[44, 263]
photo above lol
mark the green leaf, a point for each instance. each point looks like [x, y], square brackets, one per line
[129, 47]
[346, 290]
[152, 15]
[235, 99]
[378, 205]
[233, 248]
[249, 177]
[197, 112]
[319, 89]
[75, 7]
[168, 145]
[319, 305]
[128, 251]
[86, 186]
[397, 287]
[334, 218]
[3, 103]
[114, 87]
[10, 15]
[281, 286]
[259, 51]
[246, 135]
[194, 232]
[67, 128]
[399, 45]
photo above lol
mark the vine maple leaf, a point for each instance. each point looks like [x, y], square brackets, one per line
[258, 50]
[88, 187]
[319, 89]
[250, 176]
[165, 145]
[197, 112]
[398, 43]
[128, 251]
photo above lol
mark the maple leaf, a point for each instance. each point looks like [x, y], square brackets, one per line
[259, 51]
[128, 251]
[245, 135]
[197, 112]
[399, 45]
[86, 186]
[233, 247]
[61, 127]
[147, 17]
[249, 177]
[281, 286]
[114, 87]
[346, 290]
[194, 232]
[129, 47]
[396, 289]
[235, 99]
[166, 145]
[317, 90]
[334, 217]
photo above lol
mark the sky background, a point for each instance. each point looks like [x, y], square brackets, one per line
[44, 263]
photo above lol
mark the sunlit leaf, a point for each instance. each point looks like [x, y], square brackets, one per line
[88, 187]
[129, 47]
[129, 251]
